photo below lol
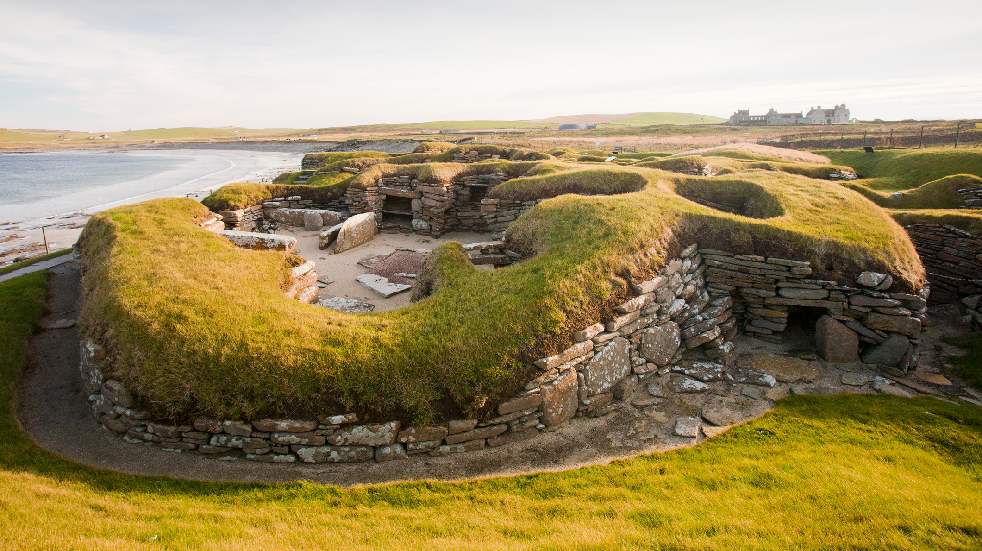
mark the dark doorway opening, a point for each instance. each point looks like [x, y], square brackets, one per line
[476, 193]
[397, 211]
[800, 331]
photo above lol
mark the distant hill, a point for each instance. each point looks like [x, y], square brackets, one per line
[623, 119]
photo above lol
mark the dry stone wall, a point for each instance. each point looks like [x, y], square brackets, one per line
[764, 290]
[641, 338]
[953, 258]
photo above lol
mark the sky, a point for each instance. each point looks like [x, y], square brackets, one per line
[107, 65]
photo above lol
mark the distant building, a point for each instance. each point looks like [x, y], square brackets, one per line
[839, 115]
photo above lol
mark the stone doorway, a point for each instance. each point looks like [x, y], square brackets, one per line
[799, 333]
[397, 211]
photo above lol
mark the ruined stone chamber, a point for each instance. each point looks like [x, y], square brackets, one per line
[668, 321]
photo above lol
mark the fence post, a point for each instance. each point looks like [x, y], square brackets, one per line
[921, 144]
[958, 131]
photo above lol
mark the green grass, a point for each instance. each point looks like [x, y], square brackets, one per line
[847, 472]
[216, 335]
[902, 169]
[25, 263]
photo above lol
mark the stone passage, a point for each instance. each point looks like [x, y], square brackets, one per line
[765, 291]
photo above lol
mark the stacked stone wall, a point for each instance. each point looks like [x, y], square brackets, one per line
[886, 324]
[953, 259]
[242, 219]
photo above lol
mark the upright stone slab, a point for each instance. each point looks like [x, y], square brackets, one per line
[608, 367]
[355, 231]
[835, 342]
[253, 240]
[559, 399]
[659, 344]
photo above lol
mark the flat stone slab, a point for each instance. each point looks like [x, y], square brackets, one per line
[254, 240]
[786, 369]
[382, 285]
[345, 304]
[687, 427]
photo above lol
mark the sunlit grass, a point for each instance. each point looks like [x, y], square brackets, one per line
[856, 472]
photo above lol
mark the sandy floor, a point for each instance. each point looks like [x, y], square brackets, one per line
[340, 270]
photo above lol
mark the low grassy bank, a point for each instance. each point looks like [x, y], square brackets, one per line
[817, 473]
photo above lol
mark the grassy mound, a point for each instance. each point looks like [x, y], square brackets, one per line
[245, 194]
[817, 472]
[902, 169]
[216, 336]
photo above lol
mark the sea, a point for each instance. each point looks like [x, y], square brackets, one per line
[59, 190]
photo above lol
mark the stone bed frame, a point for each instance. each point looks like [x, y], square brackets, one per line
[697, 302]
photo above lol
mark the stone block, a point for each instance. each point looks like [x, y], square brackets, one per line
[608, 367]
[357, 230]
[559, 399]
[660, 343]
[891, 352]
[835, 342]
[376, 434]
[335, 454]
[284, 425]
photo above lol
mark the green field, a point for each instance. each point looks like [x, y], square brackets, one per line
[856, 472]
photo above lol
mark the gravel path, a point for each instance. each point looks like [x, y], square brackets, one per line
[53, 411]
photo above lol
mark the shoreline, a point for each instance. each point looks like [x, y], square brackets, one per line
[64, 216]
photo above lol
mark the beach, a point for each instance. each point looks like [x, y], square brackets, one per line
[58, 191]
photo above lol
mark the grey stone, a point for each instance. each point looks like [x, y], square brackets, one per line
[422, 434]
[116, 393]
[390, 453]
[874, 280]
[687, 385]
[835, 342]
[851, 378]
[908, 326]
[703, 371]
[312, 220]
[335, 454]
[382, 285]
[262, 241]
[891, 352]
[559, 399]
[377, 434]
[687, 427]
[753, 377]
[284, 425]
[660, 343]
[326, 237]
[357, 230]
[608, 367]
[345, 304]
[809, 294]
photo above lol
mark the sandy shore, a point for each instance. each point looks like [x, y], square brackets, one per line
[64, 216]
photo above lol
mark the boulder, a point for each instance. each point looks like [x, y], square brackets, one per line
[355, 231]
[891, 352]
[874, 280]
[608, 367]
[660, 343]
[559, 399]
[835, 342]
